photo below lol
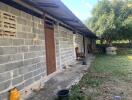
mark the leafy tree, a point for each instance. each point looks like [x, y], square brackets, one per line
[112, 20]
[127, 29]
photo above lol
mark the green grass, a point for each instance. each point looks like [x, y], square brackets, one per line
[105, 68]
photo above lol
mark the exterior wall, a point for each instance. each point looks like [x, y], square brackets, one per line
[66, 42]
[57, 47]
[66, 47]
[22, 58]
[78, 42]
[87, 42]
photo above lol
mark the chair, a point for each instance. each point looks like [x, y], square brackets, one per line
[79, 55]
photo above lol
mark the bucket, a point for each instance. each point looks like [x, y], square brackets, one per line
[63, 95]
[84, 63]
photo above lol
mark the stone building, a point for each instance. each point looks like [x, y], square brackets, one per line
[37, 39]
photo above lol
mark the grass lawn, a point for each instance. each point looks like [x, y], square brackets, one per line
[109, 77]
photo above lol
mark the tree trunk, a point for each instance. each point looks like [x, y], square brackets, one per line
[130, 41]
[109, 42]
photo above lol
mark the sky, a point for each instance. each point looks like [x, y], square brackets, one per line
[81, 8]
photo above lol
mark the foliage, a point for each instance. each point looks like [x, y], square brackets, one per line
[112, 20]
[127, 28]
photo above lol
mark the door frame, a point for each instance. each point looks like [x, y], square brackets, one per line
[50, 25]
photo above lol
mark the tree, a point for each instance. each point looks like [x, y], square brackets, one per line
[127, 29]
[112, 20]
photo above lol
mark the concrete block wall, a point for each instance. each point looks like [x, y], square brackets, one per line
[57, 47]
[87, 42]
[78, 42]
[67, 51]
[66, 42]
[22, 59]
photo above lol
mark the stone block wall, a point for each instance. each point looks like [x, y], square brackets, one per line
[22, 58]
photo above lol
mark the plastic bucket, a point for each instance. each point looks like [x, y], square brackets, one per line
[63, 95]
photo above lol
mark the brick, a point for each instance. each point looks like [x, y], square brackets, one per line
[37, 72]
[43, 69]
[36, 78]
[23, 70]
[26, 29]
[18, 42]
[30, 36]
[40, 64]
[15, 73]
[41, 59]
[20, 87]
[35, 30]
[35, 48]
[5, 85]
[44, 74]
[4, 59]
[19, 28]
[28, 82]
[27, 69]
[29, 23]
[41, 21]
[31, 61]
[5, 42]
[8, 50]
[5, 76]
[22, 35]
[9, 58]
[4, 96]
[10, 66]
[40, 26]
[15, 57]
[22, 49]
[32, 55]
[21, 21]
[35, 25]
[17, 80]
[41, 37]
[28, 75]
[29, 42]
[36, 19]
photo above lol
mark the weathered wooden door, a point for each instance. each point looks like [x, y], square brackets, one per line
[50, 48]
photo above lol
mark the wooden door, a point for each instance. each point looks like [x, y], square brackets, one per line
[50, 48]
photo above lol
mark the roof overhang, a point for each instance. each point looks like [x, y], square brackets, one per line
[58, 10]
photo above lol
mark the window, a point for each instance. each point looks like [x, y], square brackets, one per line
[0, 23]
[7, 24]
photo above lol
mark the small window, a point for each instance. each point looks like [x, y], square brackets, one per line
[7, 24]
[1, 24]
